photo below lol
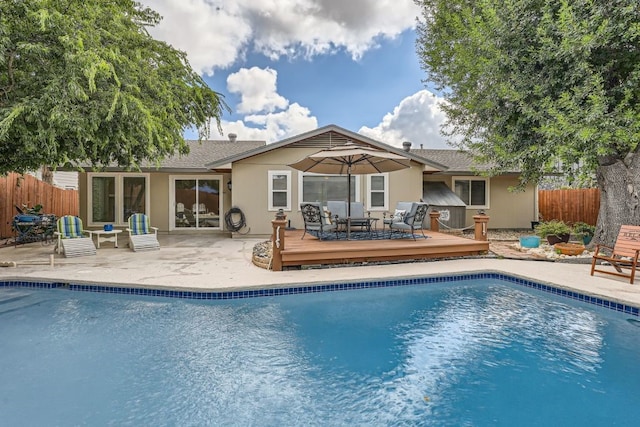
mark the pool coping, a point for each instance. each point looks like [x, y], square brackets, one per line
[281, 290]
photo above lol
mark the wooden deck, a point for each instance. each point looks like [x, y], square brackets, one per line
[311, 251]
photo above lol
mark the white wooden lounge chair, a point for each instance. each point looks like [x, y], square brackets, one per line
[142, 237]
[72, 239]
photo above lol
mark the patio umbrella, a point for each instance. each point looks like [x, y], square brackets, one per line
[351, 159]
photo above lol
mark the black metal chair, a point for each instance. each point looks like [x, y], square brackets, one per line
[412, 220]
[316, 221]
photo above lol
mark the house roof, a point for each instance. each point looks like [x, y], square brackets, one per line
[208, 151]
[200, 154]
[456, 161]
[322, 138]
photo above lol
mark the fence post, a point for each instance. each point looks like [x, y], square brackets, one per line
[277, 239]
[435, 225]
[481, 221]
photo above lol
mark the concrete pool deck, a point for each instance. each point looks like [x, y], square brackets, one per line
[217, 263]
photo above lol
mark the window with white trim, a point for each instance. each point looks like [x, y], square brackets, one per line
[473, 191]
[320, 188]
[113, 198]
[279, 190]
[378, 192]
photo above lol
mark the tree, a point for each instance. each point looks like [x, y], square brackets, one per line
[530, 84]
[82, 82]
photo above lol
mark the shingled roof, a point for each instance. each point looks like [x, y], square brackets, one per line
[205, 152]
[456, 161]
[200, 154]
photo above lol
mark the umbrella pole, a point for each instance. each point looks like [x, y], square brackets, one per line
[349, 202]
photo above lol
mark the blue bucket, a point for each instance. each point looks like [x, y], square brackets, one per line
[530, 241]
[108, 227]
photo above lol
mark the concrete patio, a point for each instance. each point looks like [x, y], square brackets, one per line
[213, 262]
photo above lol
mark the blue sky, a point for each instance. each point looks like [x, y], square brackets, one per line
[290, 66]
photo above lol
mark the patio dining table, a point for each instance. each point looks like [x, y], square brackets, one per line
[369, 223]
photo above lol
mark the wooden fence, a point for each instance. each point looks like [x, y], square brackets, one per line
[570, 206]
[19, 190]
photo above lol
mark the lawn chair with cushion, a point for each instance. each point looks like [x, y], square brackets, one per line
[317, 220]
[624, 254]
[338, 209]
[142, 237]
[412, 220]
[398, 215]
[72, 239]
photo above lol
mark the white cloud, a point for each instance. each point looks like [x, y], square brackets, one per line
[272, 127]
[270, 115]
[418, 118]
[215, 33]
[257, 89]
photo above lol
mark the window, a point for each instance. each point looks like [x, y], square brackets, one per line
[113, 198]
[378, 195]
[279, 190]
[474, 192]
[320, 188]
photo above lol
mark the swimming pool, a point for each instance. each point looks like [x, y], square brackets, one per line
[481, 352]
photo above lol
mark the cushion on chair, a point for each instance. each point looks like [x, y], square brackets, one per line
[337, 208]
[70, 227]
[398, 215]
[139, 224]
[327, 216]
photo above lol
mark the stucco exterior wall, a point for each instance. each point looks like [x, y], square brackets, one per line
[251, 187]
[160, 210]
[511, 210]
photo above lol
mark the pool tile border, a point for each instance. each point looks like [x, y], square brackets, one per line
[328, 287]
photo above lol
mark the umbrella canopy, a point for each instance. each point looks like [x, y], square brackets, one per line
[351, 159]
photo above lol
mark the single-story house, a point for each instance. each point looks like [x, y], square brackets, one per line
[192, 193]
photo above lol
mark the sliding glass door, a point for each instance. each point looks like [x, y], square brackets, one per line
[197, 202]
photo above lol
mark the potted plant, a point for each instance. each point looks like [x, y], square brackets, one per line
[586, 231]
[555, 231]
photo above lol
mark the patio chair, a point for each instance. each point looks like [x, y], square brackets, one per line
[412, 220]
[338, 209]
[317, 221]
[398, 214]
[623, 255]
[72, 239]
[142, 237]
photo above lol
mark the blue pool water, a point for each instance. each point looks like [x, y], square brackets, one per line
[486, 353]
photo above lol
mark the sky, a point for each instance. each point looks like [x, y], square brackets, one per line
[290, 66]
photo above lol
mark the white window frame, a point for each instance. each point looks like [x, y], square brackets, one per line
[385, 190]
[119, 195]
[301, 176]
[475, 178]
[270, 190]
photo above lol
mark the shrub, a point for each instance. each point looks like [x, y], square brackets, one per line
[584, 229]
[552, 228]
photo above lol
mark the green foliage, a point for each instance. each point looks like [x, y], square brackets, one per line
[584, 229]
[552, 228]
[537, 85]
[82, 82]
